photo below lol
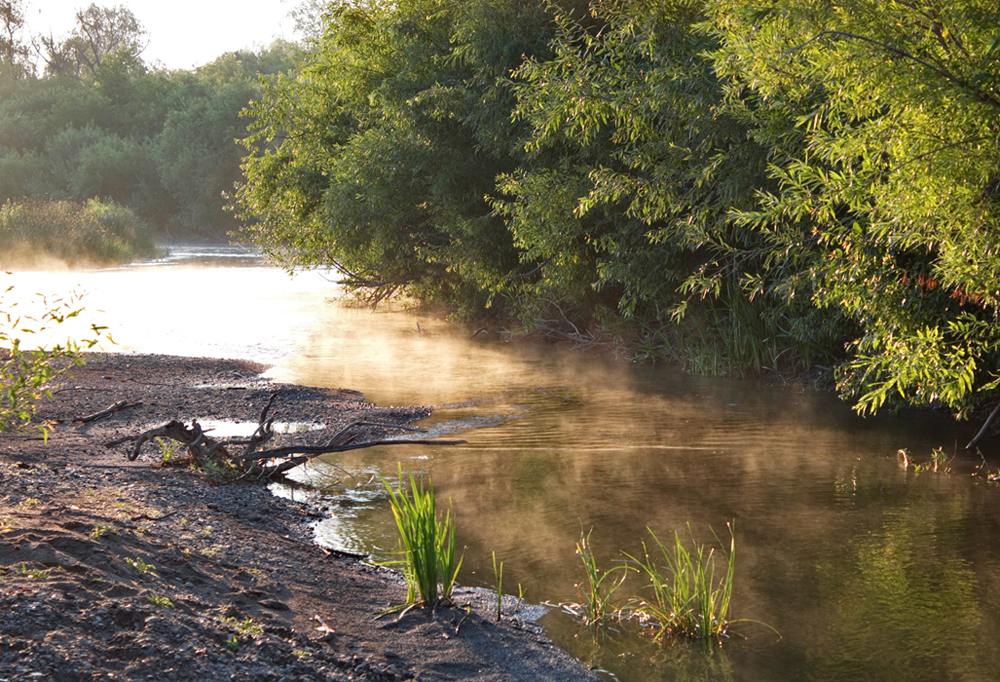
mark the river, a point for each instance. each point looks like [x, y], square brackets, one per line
[868, 569]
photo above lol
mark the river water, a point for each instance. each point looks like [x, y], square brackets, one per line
[867, 569]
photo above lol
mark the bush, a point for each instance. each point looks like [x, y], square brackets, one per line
[26, 375]
[94, 232]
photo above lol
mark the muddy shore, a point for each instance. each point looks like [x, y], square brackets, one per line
[118, 570]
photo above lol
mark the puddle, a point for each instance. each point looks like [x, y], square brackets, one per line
[223, 429]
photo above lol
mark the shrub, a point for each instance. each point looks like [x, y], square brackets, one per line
[26, 374]
[95, 232]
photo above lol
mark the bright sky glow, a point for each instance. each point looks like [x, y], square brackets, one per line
[183, 34]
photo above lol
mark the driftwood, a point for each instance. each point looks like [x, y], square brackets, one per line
[209, 454]
[107, 411]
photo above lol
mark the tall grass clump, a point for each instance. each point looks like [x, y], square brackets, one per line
[95, 232]
[690, 594]
[599, 586]
[689, 591]
[430, 565]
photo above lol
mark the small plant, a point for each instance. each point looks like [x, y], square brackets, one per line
[99, 530]
[688, 598]
[27, 375]
[217, 470]
[938, 462]
[690, 594]
[430, 566]
[498, 581]
[141, 566]
[244, 628]
[599, 588]
[168, 450]
[33, 573]
[213, 551]
[159, 600]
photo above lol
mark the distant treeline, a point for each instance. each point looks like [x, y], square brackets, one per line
[84, 117]
[741, 185]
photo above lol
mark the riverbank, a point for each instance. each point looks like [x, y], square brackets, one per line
[119, 570]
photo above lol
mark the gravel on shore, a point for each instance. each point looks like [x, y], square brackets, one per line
[118, 570]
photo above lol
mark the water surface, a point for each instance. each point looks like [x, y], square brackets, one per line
[868, 570]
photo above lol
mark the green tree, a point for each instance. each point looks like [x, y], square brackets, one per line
[14, 53]
[634, 169]
[376, 159]
[99, 33]
[882, 121]
[198, 149]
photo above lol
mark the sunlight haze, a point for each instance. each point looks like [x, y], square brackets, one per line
[183, 34]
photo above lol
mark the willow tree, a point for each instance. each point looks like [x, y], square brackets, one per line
[634, 168]
[883, 118]
[376, 159]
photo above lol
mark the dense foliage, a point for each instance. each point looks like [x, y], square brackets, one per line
[93, 232]
[91, 119]
[379, 156]
[740, 185]
[882, 120]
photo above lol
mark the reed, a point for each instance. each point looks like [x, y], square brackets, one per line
[429, 562]
[498, 582]
[599, 586]
[689, 596]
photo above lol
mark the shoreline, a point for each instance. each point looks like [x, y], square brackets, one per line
[118, 570]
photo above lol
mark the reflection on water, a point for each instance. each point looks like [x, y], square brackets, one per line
[868, 571]
[185, 305]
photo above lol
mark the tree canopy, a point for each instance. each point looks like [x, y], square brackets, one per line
[741, 186]
[99, 122]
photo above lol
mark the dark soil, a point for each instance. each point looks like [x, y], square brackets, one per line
[111, 569]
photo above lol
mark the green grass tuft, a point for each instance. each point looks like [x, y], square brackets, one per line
[689, 597]
[429, 562]
[690, 588]
[599, 587]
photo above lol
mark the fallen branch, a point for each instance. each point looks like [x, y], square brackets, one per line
[107, 411]
[989, 420]
[209, 454]
[175, 430]
[119, 441]
[308, 453]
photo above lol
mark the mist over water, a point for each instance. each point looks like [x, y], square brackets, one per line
[868, 571]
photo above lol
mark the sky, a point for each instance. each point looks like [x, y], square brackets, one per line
[183, 34]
